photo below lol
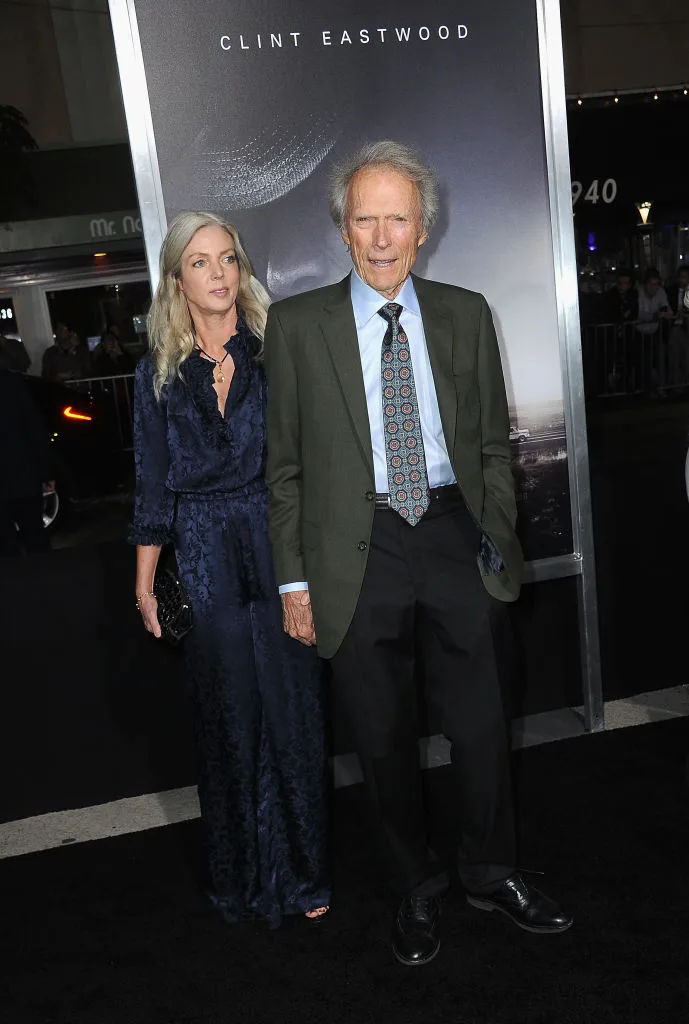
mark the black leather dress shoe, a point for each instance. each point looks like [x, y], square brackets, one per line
[529, 908]
[415, 933]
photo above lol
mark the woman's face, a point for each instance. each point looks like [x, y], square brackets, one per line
[209, 273]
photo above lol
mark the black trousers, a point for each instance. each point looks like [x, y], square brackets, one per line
[422, 600]
[21, 525]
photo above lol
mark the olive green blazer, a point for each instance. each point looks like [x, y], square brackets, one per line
[320, 462]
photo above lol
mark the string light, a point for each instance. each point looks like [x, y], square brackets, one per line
[622, 97]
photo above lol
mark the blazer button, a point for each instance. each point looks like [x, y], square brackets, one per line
[369, 495]
[362, 545]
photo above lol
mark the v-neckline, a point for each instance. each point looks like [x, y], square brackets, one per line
[206, 395]
[227, 393]
[212, 363]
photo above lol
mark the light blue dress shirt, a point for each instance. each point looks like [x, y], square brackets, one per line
[370, 329]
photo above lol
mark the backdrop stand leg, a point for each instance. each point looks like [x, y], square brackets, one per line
[589, 640]
[566, 289]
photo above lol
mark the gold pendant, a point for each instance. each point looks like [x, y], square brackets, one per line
[221, 377]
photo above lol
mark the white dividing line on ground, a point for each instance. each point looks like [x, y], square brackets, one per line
[153, 810]
[103, 821]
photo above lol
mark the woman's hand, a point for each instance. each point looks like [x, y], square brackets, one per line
[148, 606]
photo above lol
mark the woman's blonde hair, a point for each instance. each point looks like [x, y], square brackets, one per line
[170, 327]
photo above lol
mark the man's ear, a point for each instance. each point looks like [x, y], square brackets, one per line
[345, 238]
[422, 237]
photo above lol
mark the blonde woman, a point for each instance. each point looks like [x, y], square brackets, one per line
[200, 454]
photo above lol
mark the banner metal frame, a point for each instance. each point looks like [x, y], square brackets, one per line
[579, 563]
[554, 106]
[137, 109]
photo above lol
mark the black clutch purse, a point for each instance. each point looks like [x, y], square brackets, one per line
[174, 610]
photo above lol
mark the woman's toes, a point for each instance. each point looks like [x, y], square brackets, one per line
[318, 912]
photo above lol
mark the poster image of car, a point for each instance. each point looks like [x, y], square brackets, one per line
[252, 105]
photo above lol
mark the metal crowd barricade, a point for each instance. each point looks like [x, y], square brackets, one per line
[636, 358]
[619, 359]
[115, 395]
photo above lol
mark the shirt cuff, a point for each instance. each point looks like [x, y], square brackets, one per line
[287, 588]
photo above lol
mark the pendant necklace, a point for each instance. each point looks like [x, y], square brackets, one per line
[217, 369]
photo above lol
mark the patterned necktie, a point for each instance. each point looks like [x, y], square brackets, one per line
[407, 479]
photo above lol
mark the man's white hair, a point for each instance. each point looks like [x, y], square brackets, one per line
[385, 153]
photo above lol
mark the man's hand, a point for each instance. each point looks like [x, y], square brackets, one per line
[297, 617]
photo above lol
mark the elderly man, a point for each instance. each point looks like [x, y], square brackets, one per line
[392, 522]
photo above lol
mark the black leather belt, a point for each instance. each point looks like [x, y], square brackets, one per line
[434, 494]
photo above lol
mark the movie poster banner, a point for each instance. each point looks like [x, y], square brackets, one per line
[251, 104]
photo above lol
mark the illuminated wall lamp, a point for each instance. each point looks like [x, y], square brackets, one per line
[644, 210]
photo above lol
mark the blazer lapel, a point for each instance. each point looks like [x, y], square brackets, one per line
[339, 331]
[439, 330]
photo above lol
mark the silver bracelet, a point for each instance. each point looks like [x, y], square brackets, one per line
[146, 593]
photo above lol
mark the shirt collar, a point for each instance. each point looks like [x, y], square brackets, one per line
[366, 301]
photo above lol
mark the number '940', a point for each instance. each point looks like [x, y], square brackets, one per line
[595, 192]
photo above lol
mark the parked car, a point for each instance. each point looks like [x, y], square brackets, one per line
[519, 434]
[87, 458]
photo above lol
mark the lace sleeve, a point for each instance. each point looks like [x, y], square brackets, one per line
[155, 503]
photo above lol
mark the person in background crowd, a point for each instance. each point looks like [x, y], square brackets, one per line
[25, 469]
[678, 341]
[618, 309]
[392, 521]
[620, 304]
[199, 446]
[110, 359]
[654, 304]
[66, 359]
[654, 310]
[13, 355]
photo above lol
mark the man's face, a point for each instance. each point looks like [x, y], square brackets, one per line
[383, 227]
[683, 278]
[624, 283]
[63, 337]
[652, 286]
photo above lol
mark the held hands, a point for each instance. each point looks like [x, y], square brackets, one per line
[297, 617]
[148, 606]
